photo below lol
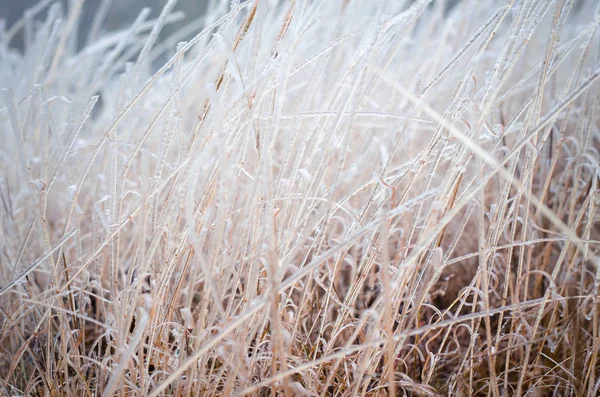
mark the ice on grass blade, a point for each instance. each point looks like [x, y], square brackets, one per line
[331, 197]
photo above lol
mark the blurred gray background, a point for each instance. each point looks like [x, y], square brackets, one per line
[121, 13]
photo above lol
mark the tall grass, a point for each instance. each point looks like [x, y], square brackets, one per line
[310, 197]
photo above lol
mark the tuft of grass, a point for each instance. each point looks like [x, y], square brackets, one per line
[310, 197]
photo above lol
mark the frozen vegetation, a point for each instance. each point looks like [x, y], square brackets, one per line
[306, 197]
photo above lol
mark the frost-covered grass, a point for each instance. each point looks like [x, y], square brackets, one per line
[311, 197]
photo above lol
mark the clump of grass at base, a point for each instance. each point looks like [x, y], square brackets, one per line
[328, 197]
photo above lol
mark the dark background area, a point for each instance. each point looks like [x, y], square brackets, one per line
[121, 14]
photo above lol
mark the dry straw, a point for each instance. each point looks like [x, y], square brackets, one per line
[309, 197]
